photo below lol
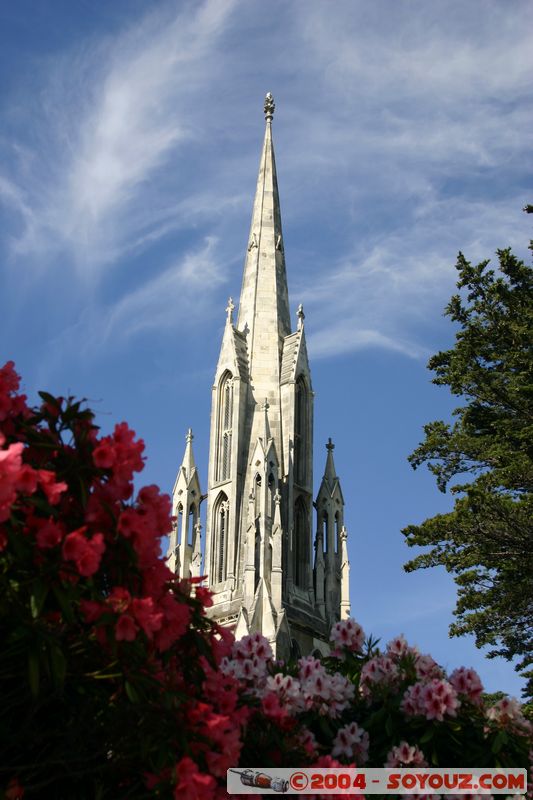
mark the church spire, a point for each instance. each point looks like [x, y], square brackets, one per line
[259, 517]
[329, 473]
[184, 552]
[264, 302]
[188, 463]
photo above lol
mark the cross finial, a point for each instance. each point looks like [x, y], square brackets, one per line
[229, 310]
[301, 316]
[189, 436]
[269, 107]
[330, 446]
[266, 405]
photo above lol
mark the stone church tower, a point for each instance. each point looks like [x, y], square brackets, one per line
[259, 559]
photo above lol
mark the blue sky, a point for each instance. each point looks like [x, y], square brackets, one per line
[129, 148]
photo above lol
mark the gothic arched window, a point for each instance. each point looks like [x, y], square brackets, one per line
[300, 543]
[224, 427]
[220, 529]
[257, 496]
[271, 494]
[300, 431]
[191, 522]
[179, 523]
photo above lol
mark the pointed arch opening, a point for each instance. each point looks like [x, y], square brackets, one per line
[191, 522]
[301, 422]
[271, 494]
[257, 496]
[300, 543]
[224, 427]
[220, 529]
[179, 524]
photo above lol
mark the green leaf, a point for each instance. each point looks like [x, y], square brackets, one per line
[38, 596]
[500, 740]
[132, 693]
[427, 736]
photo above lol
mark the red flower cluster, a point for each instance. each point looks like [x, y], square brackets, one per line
[66, 498]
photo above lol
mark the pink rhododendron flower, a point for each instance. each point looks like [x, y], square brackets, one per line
[432, 700]
[50, 534]
[177, 616]
[467, 682]
[220, 688]
[191, 784]
[11, 404]
[146, 615]
[104, 454]
[271, 706]
[507, 712]
[91, 610]
[379, 671]
[307, 740]
[346, 635]
[351, 742]
[119, 598]
[125, 629]
[288, 690]
[398, 648]
[86, 553]
[27, 479]
[53, 489]
[328, 694]
[10, 468]
[223, 732]
[405, 755]
[249, 660]
[427, 667]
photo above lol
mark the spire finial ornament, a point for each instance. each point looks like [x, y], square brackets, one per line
[330, 446]
[269, 107]
[229, 310]
[301, 316]
[189, 436]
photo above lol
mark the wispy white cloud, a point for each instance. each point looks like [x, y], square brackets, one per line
[388, 293]
[419, 141]
[111, 117]
[155, 304]
[401, 138]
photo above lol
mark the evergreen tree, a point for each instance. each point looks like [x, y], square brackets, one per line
[485, 459]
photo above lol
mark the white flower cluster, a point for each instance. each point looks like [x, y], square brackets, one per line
[249, 659]
[314, 688]
[405, 755]
[508, 713]
[379, 670]
[346, 635]
[351, 742]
